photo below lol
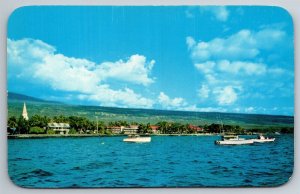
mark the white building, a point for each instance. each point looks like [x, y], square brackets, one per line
[116, 129]
[61, 128]
[132, 129]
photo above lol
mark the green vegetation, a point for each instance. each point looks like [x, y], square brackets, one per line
[50, 132]
[80, 125]
[72, 131]
[85, 119]
[109, 115]
[36, 130]
[144, 129]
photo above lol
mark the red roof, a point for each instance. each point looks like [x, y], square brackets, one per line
[195, 128]
[154, 127]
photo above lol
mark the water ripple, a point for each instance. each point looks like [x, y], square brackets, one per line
[166, 161]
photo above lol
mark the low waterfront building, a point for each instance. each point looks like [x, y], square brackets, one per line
[116, 129]
[61, 128]
[131, 129]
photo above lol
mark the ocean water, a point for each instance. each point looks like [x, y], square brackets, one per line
[168, 161]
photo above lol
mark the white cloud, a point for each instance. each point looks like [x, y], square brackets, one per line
[35, 59]
[220, 13]
[226, 95]
[204, 109]
[67, 74]
[203, 92]
[212, 109]
[237, 110]
[236, 67]
[245, 44]
[189, 12]
[180, 104]
[249, 109]
[279, 71]
[237, 62]
[206, 67]
[108, 97]
[135, 70]
[190, 42]
[27, 51]
[169, 103]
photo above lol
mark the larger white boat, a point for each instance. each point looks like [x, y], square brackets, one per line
[263, 139]
[137, 139]
[233, 140]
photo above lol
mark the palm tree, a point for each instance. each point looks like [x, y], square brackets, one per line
[163, 126]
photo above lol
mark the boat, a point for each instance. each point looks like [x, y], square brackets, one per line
[233, 140]
[263, 139]
[137, 139]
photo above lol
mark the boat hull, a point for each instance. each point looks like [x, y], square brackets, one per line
[137, 139]
[263, 140]
[235, 142]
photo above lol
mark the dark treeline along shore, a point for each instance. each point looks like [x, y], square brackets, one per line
[80, 125]
[101, 120]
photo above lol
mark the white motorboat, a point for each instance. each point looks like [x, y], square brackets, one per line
[137, 139]
[233, 140]
[263, 139]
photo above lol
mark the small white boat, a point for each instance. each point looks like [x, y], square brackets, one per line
[233, 140]
[137, 139]
[262, 139]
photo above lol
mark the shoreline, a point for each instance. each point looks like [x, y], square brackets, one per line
[33, 136]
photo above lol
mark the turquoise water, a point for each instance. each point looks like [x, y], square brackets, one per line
[179, 161]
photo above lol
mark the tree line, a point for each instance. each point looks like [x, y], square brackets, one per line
[38, 124]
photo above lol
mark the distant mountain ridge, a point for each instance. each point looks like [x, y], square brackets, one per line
[22, 97]
[107, 114]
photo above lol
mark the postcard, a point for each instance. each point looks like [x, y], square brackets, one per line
[150, 96]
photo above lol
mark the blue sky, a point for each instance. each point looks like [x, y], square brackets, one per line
[227, 59]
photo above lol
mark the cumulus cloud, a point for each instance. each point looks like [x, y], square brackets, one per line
[226, 95]
[190, 42]
[203, 92]
[67, 74]
[204, 109]
[136, 70]
[249, 109]
[86, 80]
[245, 44]
[109, 97]
[212, 109]
[206, 67]
[236, 67]
[178, 103]
[171, 103]
[228, 64]
[220, 13]
[36, 59]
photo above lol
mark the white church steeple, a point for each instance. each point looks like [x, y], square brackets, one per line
[24, 113]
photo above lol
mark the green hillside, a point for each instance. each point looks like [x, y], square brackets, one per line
[106, 114]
